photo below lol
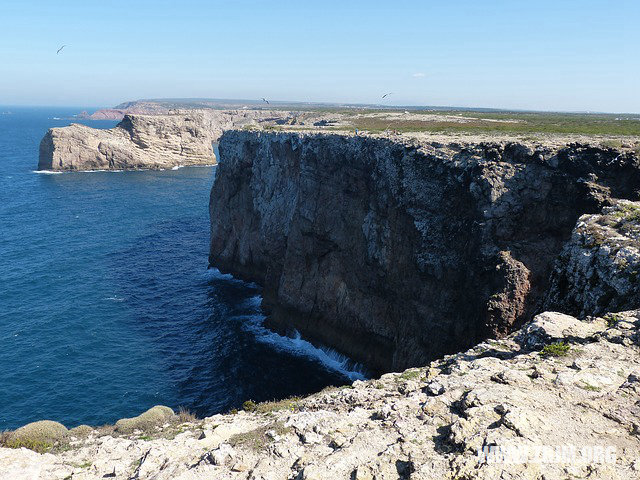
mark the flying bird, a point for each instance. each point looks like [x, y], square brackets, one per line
[387, 94]
[266, 101]
[60, 49]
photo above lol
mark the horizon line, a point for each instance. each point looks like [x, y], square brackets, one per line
[328, 104]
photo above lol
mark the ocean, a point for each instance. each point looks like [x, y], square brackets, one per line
[107, 307]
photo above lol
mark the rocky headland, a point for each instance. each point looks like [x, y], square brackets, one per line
[137, 142]
[497, 279]
[398, 250]
[127, 108]
[160, 138]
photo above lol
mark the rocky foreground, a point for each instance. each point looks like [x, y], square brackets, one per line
[558, 399]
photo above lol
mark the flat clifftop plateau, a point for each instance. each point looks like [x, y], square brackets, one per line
[137, 142]
[399, 250]
[557, 399]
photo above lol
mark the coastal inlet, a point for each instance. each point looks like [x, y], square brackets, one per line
[107, 306]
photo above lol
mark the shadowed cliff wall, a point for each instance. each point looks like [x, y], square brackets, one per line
[396, 252]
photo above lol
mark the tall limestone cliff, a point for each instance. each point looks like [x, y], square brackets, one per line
[137, 142]
[398, 251]
[179, 137]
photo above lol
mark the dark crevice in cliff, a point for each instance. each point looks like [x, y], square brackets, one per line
[396, 253]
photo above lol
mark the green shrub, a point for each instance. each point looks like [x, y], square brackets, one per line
[557, 349]
[410, 375]
[146, 421]
[81, 431]
[628, 213]
[612, 319]
[37, 436]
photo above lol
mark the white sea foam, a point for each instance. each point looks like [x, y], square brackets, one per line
[177, 167]
[60, 172]
[296, 345]
[215, 274]
[114, 299]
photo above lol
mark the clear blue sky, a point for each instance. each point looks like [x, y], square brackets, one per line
[545, 55]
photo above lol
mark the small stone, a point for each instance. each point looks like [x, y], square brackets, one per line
[222, 454]
[435, 388]
[362, 473]
[311, 438]
[239, 467]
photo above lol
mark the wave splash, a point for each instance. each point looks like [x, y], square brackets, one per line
[296, 345]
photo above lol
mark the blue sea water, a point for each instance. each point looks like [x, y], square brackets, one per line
[106, 304]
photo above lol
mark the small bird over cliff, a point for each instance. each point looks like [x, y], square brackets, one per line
[60, 49]
[387, 94]
[266, 101]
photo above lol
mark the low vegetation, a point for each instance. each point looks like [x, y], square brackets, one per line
[269, 407]
[410, 375]
[47, 436]
[521, 123]
[145, 421]
[260, 437]
[557, 349]
[628, 213]
[612, 319]
[39, 436]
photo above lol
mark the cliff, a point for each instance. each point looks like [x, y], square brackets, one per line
[137, 142]
[397, 251]
[180, 137]
[558, 399]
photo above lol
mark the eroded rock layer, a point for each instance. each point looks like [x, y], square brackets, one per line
[177, 137]
[137, 142]
[397, 251]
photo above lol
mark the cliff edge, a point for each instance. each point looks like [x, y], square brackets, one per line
[397, 251]
[557, 399]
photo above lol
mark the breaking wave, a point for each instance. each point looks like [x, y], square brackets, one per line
[296, 345]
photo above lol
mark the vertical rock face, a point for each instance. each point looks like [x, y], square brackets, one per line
[397, 252]
[181, 137]
[137, 142]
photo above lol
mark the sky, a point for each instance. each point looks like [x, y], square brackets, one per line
[561, 55]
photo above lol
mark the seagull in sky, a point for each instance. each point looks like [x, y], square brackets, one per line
[60, 49]
[387, 94]
[266, 101]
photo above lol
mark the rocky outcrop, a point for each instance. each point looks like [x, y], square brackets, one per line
[397, 251]
[598, 269]
[558, 399]
[137, 142]
[176, 137]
